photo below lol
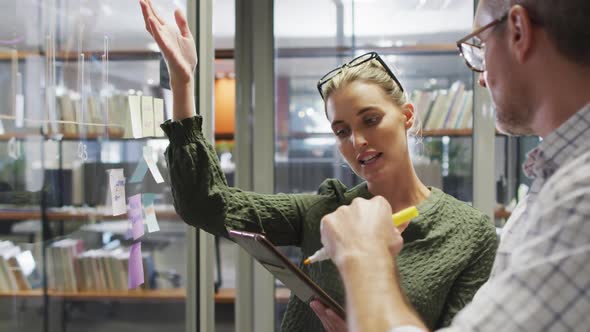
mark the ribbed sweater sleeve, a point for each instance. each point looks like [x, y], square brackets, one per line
[203, 199]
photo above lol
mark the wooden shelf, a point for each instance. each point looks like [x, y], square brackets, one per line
[20, 55]
[168, 214]
[74, 56]
[228, 295]
[307, 52]
[501, 213]
[288, 52]
[465, 132]
[446, 132]
[154, 294]
[114, 136]
[223, 296]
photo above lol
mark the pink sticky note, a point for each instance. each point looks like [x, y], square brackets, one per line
[135, 266]
[135, 216]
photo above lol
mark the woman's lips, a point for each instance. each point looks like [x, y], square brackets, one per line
[368, 158]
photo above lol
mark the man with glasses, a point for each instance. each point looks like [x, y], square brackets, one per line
[534, 58]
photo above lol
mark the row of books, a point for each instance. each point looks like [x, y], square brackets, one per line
[127, 116]
[445, 108]
[17, 268]
[70, 268]
[73, 269]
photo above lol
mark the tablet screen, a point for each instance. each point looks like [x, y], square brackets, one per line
[283, 269]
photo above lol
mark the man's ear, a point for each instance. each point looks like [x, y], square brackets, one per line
[520, 29]
[409, 114]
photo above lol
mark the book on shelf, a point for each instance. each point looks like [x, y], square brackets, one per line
[73, 269]
[123, 115]
[444, 108]
[16, 268]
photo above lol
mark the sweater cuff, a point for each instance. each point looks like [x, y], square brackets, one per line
[185, 131]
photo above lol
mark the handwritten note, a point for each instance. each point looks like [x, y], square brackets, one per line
[117, 186]
[135, 273]
[149, 212]
[151, 163]
[158, 116]
[135, 216]
[147, 116]
[134, 118]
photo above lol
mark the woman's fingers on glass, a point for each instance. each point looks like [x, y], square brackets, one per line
[154, 13]
[146, 16]
[159, 37]
[182, 23]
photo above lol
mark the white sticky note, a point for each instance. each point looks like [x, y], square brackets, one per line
[134, 122]
[149, 212]
[147, 156]
[158, 116]
[117, 185]
[147, 116]
[19, 111]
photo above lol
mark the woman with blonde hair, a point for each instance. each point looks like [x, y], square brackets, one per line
[449, 248]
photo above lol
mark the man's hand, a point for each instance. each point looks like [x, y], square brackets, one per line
[360, 231]
[176, 42]
[331, 321]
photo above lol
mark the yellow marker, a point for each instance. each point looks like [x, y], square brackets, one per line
[399, 219]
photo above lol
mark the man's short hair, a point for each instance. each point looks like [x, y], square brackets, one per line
[566, 23]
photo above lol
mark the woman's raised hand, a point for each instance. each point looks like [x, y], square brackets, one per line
[176, 42]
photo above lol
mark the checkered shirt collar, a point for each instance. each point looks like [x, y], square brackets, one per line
[559, 146]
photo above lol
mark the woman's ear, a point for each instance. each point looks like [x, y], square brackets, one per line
[409, 113]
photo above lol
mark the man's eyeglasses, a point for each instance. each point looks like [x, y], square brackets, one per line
[353, 63]
[471, 46]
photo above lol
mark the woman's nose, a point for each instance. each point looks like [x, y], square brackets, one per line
[358, 140]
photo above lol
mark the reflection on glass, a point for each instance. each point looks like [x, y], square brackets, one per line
[67, 72]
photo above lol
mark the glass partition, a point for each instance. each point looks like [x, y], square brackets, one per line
[417, 40]
[89, 239]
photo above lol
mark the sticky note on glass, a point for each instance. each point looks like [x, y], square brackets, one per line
[139, 172]
[135, 273]
[150, 213]
[135, 216]
[147, 116]
[151, 163]
[19, 111]
[134, 118]
[117, 186]
[158, 116]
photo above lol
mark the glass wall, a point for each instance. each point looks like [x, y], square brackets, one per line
[88, 236]
[417, 40]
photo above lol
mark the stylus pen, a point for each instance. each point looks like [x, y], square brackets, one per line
[399, 219]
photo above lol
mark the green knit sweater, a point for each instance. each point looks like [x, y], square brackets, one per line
[448, 252]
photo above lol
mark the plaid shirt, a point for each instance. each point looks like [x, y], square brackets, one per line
[541, 276]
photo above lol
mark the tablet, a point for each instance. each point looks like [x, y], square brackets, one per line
[283, 269]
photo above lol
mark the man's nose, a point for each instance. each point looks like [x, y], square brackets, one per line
[482, 80]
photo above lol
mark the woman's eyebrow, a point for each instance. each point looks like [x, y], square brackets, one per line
[364, 110]
[359, 113]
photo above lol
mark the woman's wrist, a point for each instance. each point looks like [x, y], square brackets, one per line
[183, 99]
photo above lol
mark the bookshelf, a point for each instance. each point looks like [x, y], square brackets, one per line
[167, 213]
[223, 295]
[502, 213]
[228, 54]
[446, 132]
